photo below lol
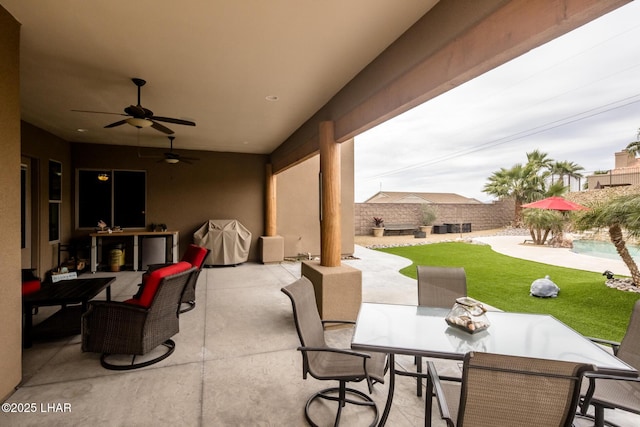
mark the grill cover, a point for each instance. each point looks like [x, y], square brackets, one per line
[228, 240]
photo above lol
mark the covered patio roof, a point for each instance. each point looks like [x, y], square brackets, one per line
[259, 77]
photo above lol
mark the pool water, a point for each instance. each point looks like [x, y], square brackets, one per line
[603, 249]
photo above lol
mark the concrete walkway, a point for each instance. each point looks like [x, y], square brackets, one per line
[513, 246]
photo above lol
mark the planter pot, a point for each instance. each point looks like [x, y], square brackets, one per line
[425, 229]
[378, 231]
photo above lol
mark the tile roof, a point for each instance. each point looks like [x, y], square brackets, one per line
[417, 197]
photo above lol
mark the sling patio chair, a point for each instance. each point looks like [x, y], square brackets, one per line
[613, 392]
[139, 326]
[328, 363]
[499, 390]
[438, 287]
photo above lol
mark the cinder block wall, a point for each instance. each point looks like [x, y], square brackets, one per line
[483, 216]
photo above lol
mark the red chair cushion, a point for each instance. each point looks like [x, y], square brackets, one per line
[30, 287]
[150, 286]
[195, 255]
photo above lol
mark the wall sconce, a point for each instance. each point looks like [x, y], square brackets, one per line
[103, 177]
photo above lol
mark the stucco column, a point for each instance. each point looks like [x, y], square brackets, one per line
[270, 214]
[271, 245]
[330, 228]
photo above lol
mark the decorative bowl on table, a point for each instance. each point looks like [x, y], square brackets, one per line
[468, 315]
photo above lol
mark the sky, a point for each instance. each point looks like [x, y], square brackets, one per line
[577, 98]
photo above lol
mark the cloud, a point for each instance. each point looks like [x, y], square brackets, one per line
[576, 98]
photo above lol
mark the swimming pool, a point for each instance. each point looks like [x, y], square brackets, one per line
[603, 249]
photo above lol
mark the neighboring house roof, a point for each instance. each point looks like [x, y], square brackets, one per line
[415, 197]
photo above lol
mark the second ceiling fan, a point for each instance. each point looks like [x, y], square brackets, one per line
[141, 117]
[173, 158]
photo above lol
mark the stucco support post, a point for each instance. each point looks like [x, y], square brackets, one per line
[270, 215]
[330, 228]
[338, 288]
[271, 245]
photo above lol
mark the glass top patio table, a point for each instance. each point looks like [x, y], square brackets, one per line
[422, 331]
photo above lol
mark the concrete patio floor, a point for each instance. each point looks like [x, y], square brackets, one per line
[235, 362]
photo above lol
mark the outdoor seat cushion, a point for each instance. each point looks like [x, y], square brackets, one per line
[30, 286]
[150, 285]
[30, 282]
[195, 255]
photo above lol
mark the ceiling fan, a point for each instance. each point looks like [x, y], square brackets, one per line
[173, 158]
[141, 117]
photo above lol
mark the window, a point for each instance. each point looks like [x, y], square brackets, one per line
[55, 200]
[114, 196]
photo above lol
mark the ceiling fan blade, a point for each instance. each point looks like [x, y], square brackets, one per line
[171, 120]
[98, 112]
[161, 128]
[118, 123]
[189, 158]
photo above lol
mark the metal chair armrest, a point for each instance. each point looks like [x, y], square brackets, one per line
[592, 377]
[335, 350]
[439, 392]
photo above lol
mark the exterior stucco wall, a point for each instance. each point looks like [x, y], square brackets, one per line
[298, 220]
[10, 296]
[185, 196]
[40, 147]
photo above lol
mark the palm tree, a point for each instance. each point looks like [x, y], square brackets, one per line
[539, 160]
[527, 183]
[621, 213]
[520, 183]
[541, 222]
[634, 147]
[568, 169]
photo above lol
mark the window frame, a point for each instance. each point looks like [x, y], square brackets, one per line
[113, 176]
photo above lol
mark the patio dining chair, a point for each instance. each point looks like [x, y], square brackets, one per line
[612, 392]
[499, 390]
[123, 330]
[438, 287]
[329, 363]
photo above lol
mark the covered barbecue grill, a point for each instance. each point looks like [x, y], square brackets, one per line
[228, 240]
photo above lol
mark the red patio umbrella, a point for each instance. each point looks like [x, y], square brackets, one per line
[556, 203]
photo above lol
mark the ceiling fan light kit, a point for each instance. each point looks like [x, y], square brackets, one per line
[171, 161]
[139, 123]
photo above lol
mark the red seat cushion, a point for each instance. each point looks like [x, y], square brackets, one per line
[30, 287]
[195, 255]
[150, 285]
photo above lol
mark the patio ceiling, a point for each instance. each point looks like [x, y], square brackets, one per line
[217, 62]
[212, 62]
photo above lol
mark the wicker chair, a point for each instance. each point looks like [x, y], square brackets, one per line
[439, 287]
[611, 392]
[137, 326]
[327, 363]
[499, 390]
[195, 255]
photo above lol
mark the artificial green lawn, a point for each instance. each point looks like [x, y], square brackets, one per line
[584, 302]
